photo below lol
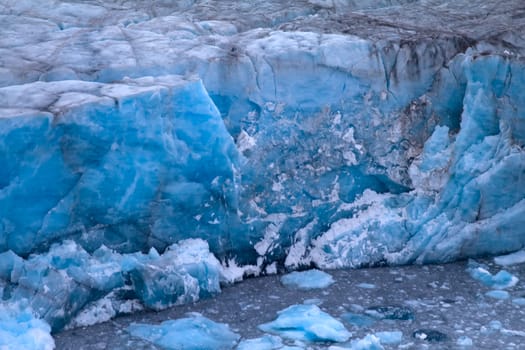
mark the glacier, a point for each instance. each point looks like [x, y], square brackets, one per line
[154, 152]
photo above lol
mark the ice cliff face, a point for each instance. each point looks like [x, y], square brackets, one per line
[321, 132]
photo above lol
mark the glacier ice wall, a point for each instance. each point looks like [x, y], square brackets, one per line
[323, 133]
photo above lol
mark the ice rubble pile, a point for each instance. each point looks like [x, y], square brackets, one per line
[124, 129]
[59, 283]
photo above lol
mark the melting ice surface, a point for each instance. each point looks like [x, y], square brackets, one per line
[150, 152]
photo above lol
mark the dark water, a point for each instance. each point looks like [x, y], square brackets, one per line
[442, 298]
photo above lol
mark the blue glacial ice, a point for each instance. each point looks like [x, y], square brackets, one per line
[307, 323]
[389, 337]
[20, 329]
[502, 280]
[266, 342]
[191, 333]
[498, 294]
[511, 259]
[290, 140]
[310, 279]
[58, 284]
[370, 342]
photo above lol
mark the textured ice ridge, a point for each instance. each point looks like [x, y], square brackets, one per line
[296, 139]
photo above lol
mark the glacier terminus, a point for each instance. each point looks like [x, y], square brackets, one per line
[153, 152]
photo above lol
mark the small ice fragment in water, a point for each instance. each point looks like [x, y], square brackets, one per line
[464, 341]
[519, 301]
[501, 280]
[388, 338]
[310, 279]
[366, 285]
[498, 294]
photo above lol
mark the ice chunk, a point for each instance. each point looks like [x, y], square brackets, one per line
[186, 272]
[358, 320]
[307, 323]
[389, 337]
[511, 259]
[498, 294]
[464, 341]
[370, 342]
[366, 285]
[503, 279]
[58, 284]
[519, 301]
[192, 333]
[19, 329]
[310, 279]
[266, 342]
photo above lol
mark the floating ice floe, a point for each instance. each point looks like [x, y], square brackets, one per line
[502, 280]
[310, 279]
[20, 329]
[192, 333]
[511, 259]
[369, 342]
[498, 294]
[307, 323]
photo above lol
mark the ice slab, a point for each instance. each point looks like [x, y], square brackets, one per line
[192, 333]
[310, 279]
[307, 323]
[511, 259]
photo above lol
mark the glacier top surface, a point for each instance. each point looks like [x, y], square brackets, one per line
[60, 40]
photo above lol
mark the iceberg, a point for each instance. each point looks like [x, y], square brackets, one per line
[144, 149]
